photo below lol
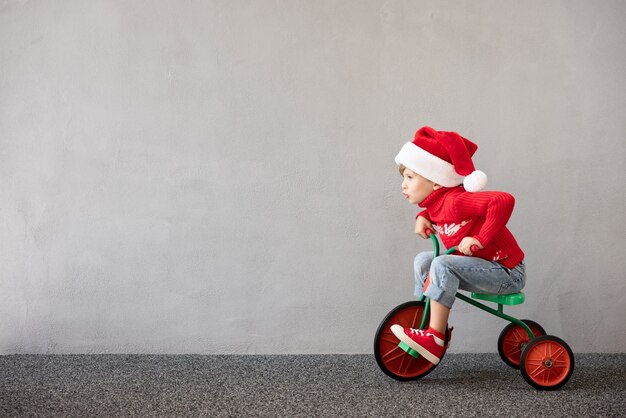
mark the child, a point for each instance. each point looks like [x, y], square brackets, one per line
[433, 167]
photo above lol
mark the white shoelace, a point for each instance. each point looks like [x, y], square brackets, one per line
[423, 333]
[420, 332]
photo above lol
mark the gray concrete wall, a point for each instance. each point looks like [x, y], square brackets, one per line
[218, 176]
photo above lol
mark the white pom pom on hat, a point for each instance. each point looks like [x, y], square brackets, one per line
[475, 181]
[444, 158]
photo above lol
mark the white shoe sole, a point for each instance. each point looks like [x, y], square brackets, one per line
[398, 331]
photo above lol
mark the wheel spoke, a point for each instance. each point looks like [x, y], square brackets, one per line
[548, 376]
[402, 362]
[512, 348]
[389, 341]
[409, 359]
[561, 363]
[388, 353]
[402, 353]
[519, 336]
[533, 362]
[414, 322]
[537, 371]
[558, 353]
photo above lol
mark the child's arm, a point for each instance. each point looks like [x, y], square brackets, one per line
[496, 207]
[422, 223]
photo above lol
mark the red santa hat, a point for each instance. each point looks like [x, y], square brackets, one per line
[443, 157]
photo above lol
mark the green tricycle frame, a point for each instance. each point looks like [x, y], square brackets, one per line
[546, 362]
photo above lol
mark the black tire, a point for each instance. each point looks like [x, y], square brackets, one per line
[547, 362]
[513, 339]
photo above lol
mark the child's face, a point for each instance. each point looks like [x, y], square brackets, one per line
[416, 188]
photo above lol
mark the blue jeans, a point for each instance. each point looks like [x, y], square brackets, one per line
[448, 273]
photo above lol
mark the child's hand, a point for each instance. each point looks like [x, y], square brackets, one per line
[466, 245]
[421, 225]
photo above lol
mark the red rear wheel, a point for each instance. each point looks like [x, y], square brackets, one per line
[513, 339]
[392, 360]
[547, 362]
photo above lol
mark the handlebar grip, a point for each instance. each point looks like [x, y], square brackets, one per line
[429, 232]
[474, 248]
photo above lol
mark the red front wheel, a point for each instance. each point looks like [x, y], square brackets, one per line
[547, 362]
[392, 360]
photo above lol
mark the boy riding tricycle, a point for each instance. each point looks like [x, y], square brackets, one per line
[483, 258]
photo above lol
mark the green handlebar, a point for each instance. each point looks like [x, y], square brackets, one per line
[435, 241]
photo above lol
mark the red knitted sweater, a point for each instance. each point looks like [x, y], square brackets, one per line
[483, 215]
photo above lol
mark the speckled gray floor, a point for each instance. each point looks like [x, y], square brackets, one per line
[324, 385]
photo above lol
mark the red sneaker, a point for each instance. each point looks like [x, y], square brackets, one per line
[428, 342]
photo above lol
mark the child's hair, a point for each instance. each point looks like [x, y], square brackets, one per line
[402, 168]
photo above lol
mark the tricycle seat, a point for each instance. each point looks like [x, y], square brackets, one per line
[510, 299]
